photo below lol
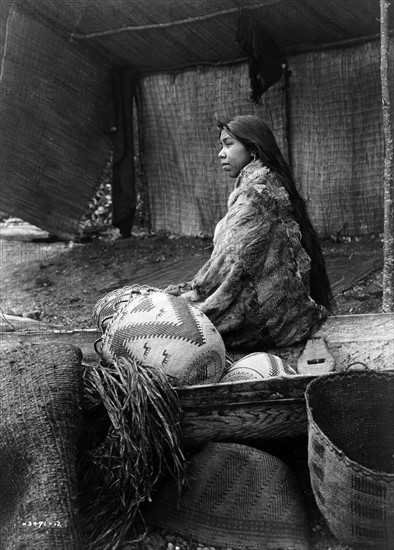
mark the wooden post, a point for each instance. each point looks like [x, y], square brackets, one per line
[388, 247]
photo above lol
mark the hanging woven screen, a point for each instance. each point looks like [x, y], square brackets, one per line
[336, 142]
[337, 139]
[187, 190]
[53, 145]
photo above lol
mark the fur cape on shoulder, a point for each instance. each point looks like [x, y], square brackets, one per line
[255, 286]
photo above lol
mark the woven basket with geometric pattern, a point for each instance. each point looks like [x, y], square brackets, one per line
[235, 497]
[114, 301]
[351, 455]
[163, 331]
[257, 366]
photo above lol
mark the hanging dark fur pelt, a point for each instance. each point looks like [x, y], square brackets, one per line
[265, 60]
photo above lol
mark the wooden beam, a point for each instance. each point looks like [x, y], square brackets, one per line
[169, 24]
[388, 246]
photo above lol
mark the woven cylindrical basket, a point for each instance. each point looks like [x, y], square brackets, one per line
[351, 455]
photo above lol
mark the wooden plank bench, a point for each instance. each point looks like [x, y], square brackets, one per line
[244, 411]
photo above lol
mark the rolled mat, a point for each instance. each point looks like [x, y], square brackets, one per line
[40, 410]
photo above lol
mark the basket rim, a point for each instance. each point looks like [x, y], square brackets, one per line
[312, 423]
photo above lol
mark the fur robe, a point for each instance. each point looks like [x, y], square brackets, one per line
[255, 288]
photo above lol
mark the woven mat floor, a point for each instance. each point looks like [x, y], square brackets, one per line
[343, 271]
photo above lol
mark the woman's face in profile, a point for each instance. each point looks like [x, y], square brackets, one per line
[233, 154]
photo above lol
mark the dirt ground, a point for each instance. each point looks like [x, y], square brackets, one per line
[59, 282]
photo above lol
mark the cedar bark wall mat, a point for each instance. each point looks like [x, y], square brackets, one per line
[337, 137]
[336, 140]
[188, 190]
[53, 96]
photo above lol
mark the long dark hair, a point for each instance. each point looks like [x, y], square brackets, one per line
[257, 137]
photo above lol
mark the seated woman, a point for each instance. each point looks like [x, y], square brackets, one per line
[265, 284]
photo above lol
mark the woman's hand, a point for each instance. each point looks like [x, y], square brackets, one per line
[173, 289]
[178, 290]
[190, 296]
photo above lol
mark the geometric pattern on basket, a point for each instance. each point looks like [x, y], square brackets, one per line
[351, 415]
[169, 333]
[257, 366]
[113, 302]
[235, 496]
